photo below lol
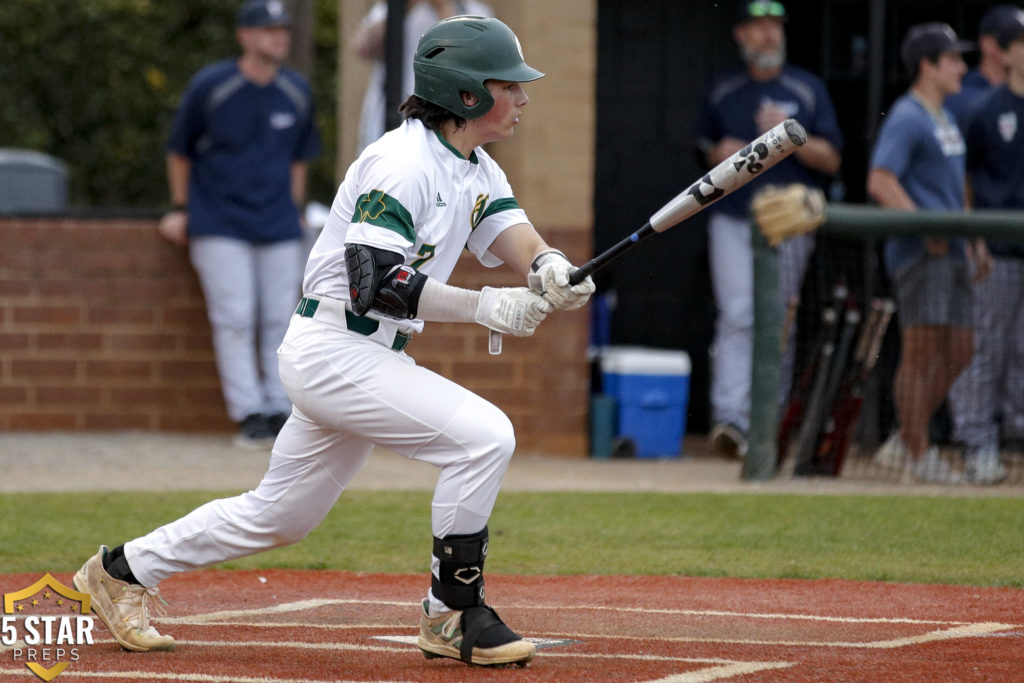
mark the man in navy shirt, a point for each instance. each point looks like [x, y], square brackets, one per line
[739, 107]
[991, 69]
[236, 167]
[918, 163]
[993, 384]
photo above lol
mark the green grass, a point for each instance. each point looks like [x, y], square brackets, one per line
[973, 541]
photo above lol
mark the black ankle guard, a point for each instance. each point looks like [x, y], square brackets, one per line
[460, 583]
[482, 627]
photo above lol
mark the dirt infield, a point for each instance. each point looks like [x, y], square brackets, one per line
[290, 626]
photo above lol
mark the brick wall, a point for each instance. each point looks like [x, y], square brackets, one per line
[103, 326]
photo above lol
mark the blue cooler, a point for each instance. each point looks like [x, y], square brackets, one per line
[651, 388]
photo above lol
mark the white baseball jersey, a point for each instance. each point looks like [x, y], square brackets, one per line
[412, 193]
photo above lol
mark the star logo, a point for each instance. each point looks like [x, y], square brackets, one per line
[44, 623]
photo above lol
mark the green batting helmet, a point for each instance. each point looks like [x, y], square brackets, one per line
[460, 53]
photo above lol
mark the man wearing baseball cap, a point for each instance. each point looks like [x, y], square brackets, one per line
[236, 168]
[918, 163]
[992, 386]
[739, 106]
[991, 69]
[263, 13]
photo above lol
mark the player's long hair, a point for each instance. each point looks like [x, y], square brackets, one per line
[431, 115]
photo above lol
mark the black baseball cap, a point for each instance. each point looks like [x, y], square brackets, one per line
[756, 9]
[1011, 28]
[928, 41]
[263, 13]
[995, 19]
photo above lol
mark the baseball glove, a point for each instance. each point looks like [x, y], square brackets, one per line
[786, 212]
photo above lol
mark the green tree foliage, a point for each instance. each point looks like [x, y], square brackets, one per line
[96, 83]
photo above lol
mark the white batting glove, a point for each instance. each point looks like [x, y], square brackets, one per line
[550, 277]
[512, 310]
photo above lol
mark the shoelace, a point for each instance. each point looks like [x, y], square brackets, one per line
[140, 595]
[450, 629]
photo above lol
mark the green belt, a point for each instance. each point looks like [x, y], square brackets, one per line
[356, 323]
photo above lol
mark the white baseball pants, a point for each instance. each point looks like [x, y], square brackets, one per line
[731, 259]
[349, 392]
[994, 381]
[250, 292]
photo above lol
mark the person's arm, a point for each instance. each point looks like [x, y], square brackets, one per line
[518, 246]
[173, 225]
[546, 269]
[299, 176]
[379, 281]
[368, 41]
[885, 188]
[723, 149]
[817, 154]
[978, 254]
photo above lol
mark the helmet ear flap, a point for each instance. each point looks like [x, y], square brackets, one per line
[459, 55]
[444, 88]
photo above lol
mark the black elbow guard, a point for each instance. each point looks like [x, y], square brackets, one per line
[399, 294]
[378, 281]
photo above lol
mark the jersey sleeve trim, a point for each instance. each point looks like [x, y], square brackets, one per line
[497, 206]
[384, 211]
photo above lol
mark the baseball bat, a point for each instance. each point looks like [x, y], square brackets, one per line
[801, 390]
[826, 425]
[739, 169]
[837, 419]
[815, 410]
[735, 172]
[849, 412]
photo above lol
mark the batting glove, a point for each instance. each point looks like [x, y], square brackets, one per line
[550, 277]
[512, 310]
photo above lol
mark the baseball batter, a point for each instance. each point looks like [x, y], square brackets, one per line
[407, 208]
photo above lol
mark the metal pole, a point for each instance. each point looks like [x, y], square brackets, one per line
[762, 451]
[876, 69]
[394, 62]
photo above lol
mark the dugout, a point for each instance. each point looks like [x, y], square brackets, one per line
[654, 58]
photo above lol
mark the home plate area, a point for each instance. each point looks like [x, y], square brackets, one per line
[283, 626]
